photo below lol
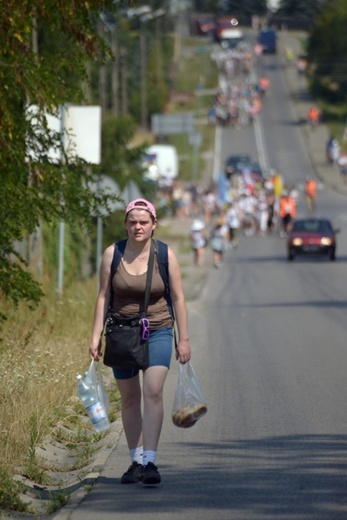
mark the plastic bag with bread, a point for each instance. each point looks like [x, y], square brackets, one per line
[189, 404]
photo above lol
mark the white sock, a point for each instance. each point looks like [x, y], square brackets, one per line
[149, 456]
[136, 454]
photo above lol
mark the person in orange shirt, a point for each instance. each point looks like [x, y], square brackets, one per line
[287, 212]
[264, 85]
[310, 193]
[313, 116]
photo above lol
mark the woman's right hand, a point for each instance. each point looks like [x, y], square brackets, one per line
[95, 350]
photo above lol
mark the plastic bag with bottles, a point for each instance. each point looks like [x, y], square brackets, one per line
[94, 397]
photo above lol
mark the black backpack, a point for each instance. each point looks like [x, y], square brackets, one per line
[161, 251]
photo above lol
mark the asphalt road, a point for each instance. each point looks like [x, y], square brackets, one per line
[269, 348]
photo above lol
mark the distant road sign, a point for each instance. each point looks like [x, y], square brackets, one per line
[104, 185]
[205, 91]
[172, 124]
[195, 139]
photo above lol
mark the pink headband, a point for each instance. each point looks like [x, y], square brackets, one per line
[141, 204]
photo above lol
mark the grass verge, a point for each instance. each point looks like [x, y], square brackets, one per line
[41, 352]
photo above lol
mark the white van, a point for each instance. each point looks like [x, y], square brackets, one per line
[230, 38]
[161, 163]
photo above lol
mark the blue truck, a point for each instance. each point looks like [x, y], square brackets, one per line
[268, 40]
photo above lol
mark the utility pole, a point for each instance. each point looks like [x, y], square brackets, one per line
[115, 72]
[124, 79]
[102, 76]
[159, 61]
[143, 56]
[143, 68]
[35, 241]
[110, 25]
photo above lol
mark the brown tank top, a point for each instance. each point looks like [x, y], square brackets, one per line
[129, 296]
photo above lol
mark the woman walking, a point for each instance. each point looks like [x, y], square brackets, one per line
[142, 431]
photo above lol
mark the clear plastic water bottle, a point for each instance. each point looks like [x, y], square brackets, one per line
[94, 408]
[89, 382]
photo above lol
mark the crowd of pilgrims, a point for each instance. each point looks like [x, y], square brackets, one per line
[246, 206]
[239, 101]
[259, 209]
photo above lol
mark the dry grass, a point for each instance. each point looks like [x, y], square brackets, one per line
[41, 352]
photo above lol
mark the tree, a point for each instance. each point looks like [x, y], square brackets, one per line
[301, 8]
[119, 160]
[32, 73]
[246, 8]
[206, 6]
[327, 49]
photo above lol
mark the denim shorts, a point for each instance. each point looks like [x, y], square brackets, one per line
[160, 352]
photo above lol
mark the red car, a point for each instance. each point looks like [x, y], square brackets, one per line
[224, 22]
[312, 236]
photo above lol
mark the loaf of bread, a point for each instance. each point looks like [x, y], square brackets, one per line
[187, 416]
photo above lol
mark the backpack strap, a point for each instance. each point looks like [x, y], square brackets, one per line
[163, 266]
[119, 248]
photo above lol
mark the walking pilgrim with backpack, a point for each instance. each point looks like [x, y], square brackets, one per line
[123, 274]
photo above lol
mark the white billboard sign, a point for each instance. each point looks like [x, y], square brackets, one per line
[80, 127]
[83, 127]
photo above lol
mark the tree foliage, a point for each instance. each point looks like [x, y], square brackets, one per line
[32, 187]
[246, 8]
[120, 161]
[206, 6]
[301, 8]
[327, 49]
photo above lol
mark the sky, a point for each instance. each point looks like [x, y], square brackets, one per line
[273, 4]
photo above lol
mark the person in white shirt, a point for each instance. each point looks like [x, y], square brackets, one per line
[263, 213]
[233, 223]
[218, 241]
[198, 242]
[248, 205]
